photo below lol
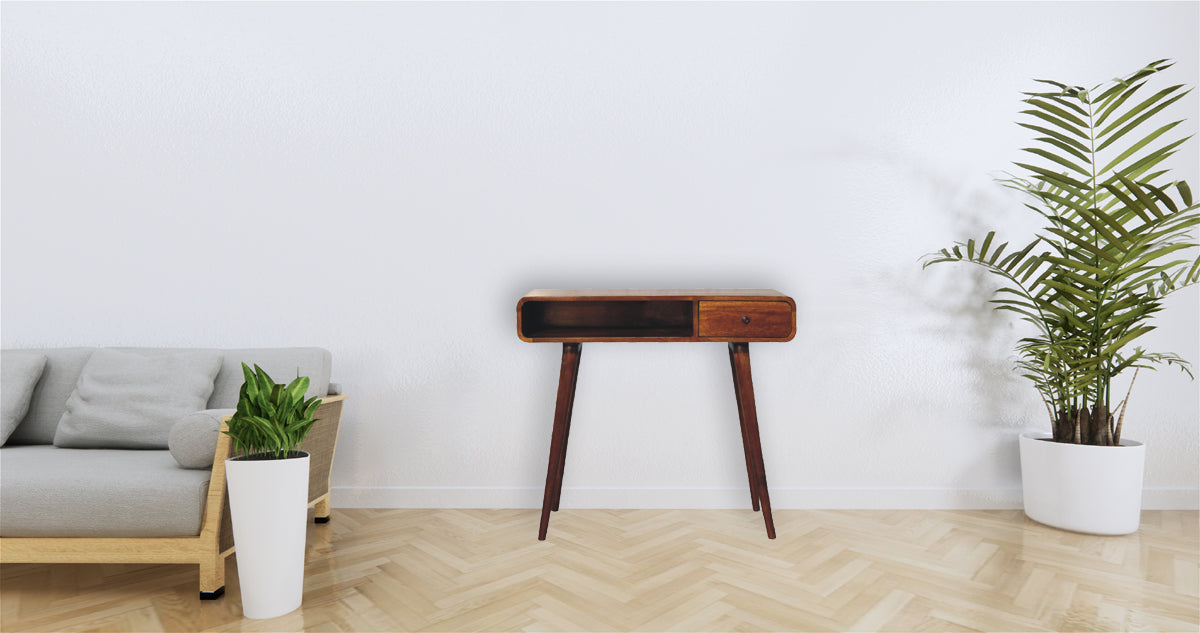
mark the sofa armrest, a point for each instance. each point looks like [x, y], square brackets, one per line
[321, 444]
[216, 530]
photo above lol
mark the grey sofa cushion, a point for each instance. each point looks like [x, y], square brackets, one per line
[49, 399]
[68, 492]
[63, 366]
[193, 439]
[280, 362]
[19, 374]
[127, 399]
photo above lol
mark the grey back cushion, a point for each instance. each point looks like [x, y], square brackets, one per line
[19, 374]
[49, 400]
[280, 362]
[63, 366]
[128, 399]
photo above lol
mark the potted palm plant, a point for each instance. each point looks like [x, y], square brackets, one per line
[268, 491]
[1119, 236]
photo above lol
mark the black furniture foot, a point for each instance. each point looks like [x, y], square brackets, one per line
[321, 519]
[212, 595]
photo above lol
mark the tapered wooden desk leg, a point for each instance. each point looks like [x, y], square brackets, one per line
[558, 438]
[745, 395]
[562, 463]
[737, 395]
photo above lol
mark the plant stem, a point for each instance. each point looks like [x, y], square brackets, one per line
[1124, 405]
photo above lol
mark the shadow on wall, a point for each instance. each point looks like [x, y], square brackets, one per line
[960, 295]
[954, 300]
[950, 305]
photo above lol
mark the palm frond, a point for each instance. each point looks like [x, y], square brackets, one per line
[1117, 239]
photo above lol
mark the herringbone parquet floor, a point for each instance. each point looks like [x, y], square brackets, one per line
[703, 570]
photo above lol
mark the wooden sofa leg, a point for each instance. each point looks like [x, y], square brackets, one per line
[212, 577]
[322, 511]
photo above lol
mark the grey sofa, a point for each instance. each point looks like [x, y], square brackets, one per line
[138, 502]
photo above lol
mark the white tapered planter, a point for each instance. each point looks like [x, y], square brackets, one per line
[268, 501]
[1092, 489]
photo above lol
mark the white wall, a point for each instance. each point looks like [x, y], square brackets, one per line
[386, 180]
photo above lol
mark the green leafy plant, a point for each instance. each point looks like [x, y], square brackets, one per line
[1118, 239]
[272, 419]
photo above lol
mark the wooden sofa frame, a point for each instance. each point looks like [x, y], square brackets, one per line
[215, 542]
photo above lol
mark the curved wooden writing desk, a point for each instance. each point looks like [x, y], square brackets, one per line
[736, 317]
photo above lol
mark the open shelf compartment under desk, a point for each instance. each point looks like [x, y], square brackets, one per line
[617, 319]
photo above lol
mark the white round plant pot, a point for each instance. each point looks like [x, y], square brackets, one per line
[1092, 489]
[268, 502]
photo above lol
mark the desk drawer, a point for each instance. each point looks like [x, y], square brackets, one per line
[746, 319]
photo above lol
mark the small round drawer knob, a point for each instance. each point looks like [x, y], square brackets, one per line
[745, 318]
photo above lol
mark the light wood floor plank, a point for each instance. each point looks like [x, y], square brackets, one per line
[669, 570]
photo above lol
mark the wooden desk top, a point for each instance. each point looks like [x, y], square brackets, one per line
[643, 294]
[636, 315]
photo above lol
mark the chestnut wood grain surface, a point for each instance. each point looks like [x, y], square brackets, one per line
[663, 316]
[746, 320]
[736, 317]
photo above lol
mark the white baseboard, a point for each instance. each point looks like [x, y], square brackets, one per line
[717, 498]
[1171, 499]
